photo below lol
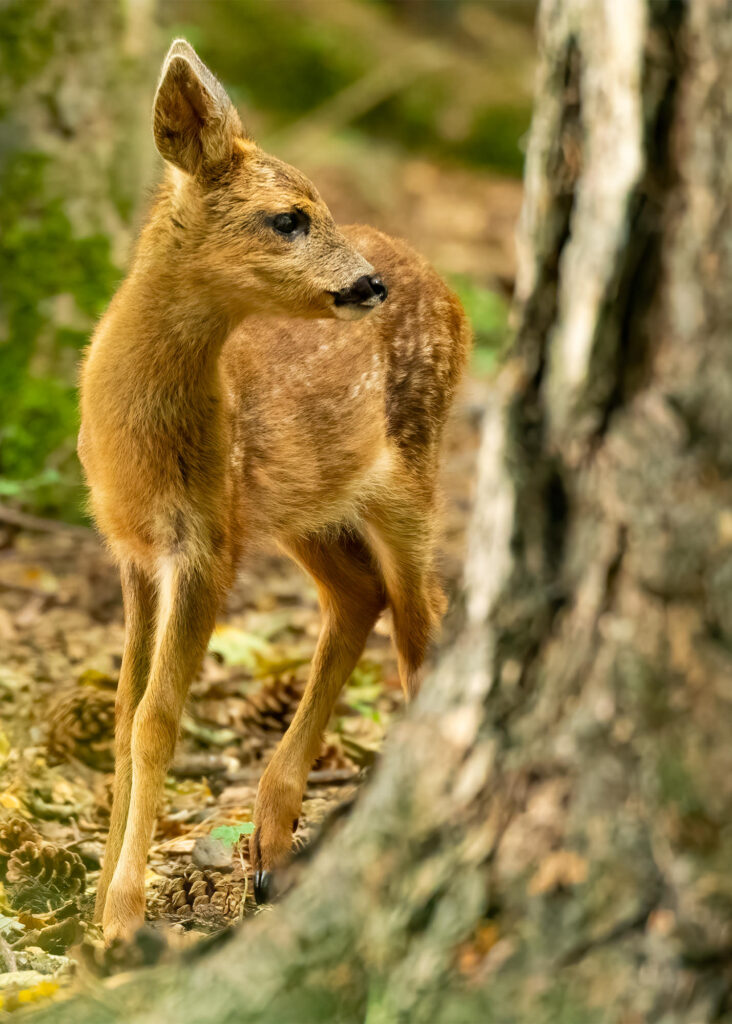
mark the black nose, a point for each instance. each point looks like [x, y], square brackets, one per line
[378, 287]
[362, 291]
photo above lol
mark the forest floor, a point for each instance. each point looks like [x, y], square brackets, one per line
[61, 637]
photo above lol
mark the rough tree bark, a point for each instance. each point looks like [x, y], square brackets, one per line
[74, 92]
[567, 772]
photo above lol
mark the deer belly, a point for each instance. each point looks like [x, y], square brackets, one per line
[311, 495]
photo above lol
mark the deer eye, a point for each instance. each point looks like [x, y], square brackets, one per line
[289, 223]
[286, 223]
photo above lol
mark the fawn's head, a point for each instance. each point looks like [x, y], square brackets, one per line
[257, 235]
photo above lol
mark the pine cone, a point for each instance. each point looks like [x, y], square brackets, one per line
[202, 893]
[81, 727]
[258, 747]
[13, 834]
[259, 718]
[272, 707]
[42, 876]
[332, 757]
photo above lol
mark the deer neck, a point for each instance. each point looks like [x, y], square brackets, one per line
[181, 331]
[163, 335]
[153, 377]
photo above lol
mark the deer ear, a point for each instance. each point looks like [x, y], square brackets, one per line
[194, 121]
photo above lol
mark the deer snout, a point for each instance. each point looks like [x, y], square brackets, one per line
[368, 291]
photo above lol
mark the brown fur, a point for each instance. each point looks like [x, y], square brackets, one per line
[209, 424]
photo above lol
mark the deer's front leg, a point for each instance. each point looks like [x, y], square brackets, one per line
[138, 594]
[188, 599]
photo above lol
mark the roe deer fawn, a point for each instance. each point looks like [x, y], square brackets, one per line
[209, 421]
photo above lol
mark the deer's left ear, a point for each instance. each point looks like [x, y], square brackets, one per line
[194, 121]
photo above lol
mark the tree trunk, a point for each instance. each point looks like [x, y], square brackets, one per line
[561, 792]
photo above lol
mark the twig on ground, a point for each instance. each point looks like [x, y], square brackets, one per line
[314, 778]
[25, 521]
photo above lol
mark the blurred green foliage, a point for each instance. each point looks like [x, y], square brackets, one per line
[40, 259]
[282, 61]
[25, 43]
[488, 313]
[287, 60]
[495, 139]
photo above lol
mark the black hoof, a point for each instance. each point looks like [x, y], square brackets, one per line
[263, 887]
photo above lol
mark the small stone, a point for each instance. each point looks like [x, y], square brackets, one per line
[211, 853]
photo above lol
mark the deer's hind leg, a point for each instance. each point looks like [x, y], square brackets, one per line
[401, 536]
[140, 602]
[352, 596]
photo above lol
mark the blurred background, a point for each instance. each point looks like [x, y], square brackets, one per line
[408, 114]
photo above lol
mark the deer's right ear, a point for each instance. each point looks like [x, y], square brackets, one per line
[194, 121]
